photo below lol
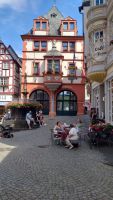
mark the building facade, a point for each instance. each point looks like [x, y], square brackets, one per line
[10, 65]
[53, 71]
[98, 26]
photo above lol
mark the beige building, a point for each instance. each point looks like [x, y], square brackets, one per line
[98, 28]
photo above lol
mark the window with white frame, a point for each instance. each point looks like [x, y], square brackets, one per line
[41, 25]
[6, 65]
[99, 2]
[110, 100]
[98, 36]
[65, 46]
[4, 89]
[2, 51]
[4, 81]
[36, 68]
[40, 45]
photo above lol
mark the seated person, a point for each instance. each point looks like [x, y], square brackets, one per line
[58, 127]
[60, 131]
[29, 119]
[72, 136]
[40, 118]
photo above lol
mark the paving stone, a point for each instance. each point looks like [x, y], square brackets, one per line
[30, 172]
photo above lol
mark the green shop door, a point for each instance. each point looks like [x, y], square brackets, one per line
[66, 103]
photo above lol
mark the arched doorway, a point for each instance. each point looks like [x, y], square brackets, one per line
[43, 98]
[66, 103]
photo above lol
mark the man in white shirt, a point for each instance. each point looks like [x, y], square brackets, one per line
[73, 136]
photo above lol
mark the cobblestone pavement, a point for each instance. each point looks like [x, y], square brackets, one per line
[31, 168]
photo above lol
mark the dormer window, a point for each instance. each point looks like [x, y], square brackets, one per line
[41, 25]
[53, 15]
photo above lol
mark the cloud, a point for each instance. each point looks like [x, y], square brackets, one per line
[18, 5]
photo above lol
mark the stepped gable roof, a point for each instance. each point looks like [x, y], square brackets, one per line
[54, 16]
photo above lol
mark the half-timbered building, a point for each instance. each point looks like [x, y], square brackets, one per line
[10, 65]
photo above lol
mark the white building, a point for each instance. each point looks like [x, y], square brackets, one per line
[98, 27]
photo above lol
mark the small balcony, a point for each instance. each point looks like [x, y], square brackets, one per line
[52, 81]
[97, 73]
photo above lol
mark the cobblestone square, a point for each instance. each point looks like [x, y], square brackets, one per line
[32, 168]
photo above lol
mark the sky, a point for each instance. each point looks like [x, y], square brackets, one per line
[16, 17]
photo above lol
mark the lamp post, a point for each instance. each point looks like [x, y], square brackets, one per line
[24, 92]
[73, 68]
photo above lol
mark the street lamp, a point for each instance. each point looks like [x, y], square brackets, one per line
[24, 92]
[72, 68]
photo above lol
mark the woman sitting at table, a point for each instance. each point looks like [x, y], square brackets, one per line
[59, 130]
[72, 136]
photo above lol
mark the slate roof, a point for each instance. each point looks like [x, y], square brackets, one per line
[14, 55]
[54, 16]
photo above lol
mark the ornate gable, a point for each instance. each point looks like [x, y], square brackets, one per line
[69, 18]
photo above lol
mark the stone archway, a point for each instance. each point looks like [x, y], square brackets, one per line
[41, 97]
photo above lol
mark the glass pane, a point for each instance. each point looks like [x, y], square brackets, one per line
[46, 97]
[39, 95]
[44, 25]
[72, 26]
[45, 105]
[72, 106]
[38, 25]
[101, 1]
[60, 96]
[59, 106]
[72, 45]
[43, 44]
[65, 44]
[65, 25]
[66, 106]
[37, 44]
[57, 65]
[66, 96]
[72, 97]
[96, 35]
